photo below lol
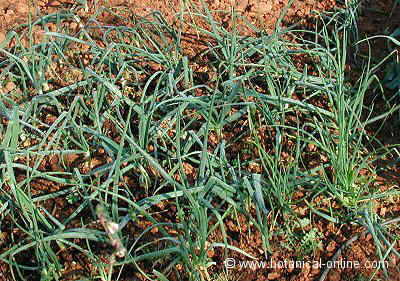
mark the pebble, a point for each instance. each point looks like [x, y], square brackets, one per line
[311, 147]
[334, 276]
[54, 3]
[273, 275]
[73, 25]
[10, 86]
[331, 246]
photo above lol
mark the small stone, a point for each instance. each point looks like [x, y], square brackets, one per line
[73, 25]
[211, 253]
[393, 260]
[10, 86]
[54, 3]
[273, 275]
[311, 147]
[334, 276]
[45, 87]
[50, 119]
[41, 3]
[112, 227]
[84, 48]
[72, 158]
[51, 26]
[331, 246]
[324, 158]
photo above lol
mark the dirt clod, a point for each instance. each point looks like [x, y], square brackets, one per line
[334, 276]
[10, 86]
[273, 276]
